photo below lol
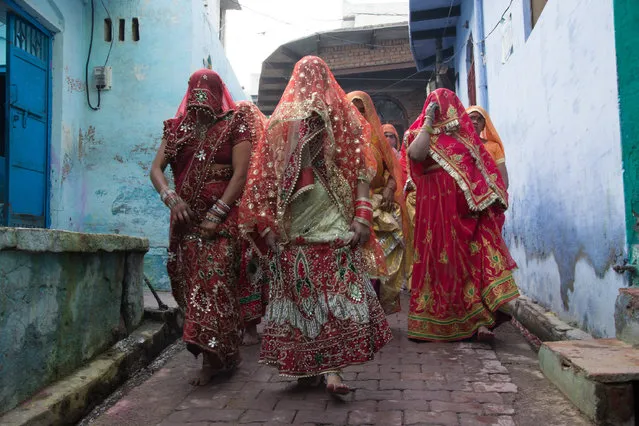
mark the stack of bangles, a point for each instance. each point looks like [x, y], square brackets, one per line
[169, 197]
[364, 211]
[427, 126]
[218, 212]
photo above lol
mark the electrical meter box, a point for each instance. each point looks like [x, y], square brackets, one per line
[102, 78]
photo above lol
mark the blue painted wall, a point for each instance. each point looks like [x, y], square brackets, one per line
[101, 159]
[554, 103]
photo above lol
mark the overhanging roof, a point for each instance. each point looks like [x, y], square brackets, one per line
[277, 68]
[430, 20]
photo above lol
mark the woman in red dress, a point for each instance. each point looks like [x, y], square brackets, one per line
[308, 195]
[208, 146]
[463, 274]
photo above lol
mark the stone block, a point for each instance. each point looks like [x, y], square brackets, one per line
[132, 308]
[627, 315]
[64, 299]
[596, 375]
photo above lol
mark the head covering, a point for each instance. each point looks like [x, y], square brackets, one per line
[389, 128]
[378, 141]
[342, 158]
[206, 92]
[489, 133]
[456, 147]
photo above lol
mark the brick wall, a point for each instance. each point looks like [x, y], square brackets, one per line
[356, 55]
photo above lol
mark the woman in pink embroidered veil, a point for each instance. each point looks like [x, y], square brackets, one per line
[208, 146]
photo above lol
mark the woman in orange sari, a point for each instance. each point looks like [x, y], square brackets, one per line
[308, 195]
[492, 142]
[390, 220]
[208, 146]
[464, 272]
[488, 134]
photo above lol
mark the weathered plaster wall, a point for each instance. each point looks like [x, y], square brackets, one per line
[64, 298]
[100, 159]
[554, 103]
[626, 14]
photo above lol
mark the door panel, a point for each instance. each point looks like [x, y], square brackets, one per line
[28, 67]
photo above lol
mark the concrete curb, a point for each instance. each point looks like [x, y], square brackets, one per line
[542, 323]
[68, 400]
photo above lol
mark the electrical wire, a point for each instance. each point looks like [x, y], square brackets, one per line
[86, 69]
[110, 20]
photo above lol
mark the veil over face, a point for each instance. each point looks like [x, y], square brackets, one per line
[312, 100]
[312, 93]
[456, 147]
[206, 92]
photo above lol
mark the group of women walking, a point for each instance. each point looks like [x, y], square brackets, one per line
[314, 219]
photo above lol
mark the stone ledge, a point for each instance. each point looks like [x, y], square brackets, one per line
[68, 400]
[596, 375]
[543, 323]
[55, 241]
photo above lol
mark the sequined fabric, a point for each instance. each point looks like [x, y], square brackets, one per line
[393, 227]
[342, 159]
[253, 278]
[463, 271]
[322, 313]
[204, 272]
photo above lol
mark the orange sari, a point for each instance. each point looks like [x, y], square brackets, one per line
[392, 227]
[464, 269]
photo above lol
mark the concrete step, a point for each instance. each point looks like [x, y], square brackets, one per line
[597, 375]
[68, 400]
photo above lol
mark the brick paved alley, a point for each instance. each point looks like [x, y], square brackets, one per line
[407, 384]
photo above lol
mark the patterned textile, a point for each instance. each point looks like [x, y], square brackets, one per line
[204, 272]
[392, 228]
[322, 313]
[464, 270]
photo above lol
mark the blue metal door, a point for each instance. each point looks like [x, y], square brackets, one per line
[27, 123]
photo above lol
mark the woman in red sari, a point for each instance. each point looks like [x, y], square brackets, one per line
[463, 274]
[253, 280]
[208, 146]
[308, 194]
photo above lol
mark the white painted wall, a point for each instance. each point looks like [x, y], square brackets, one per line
[554, 103]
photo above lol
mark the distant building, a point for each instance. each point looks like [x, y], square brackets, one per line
[74, 168]
[376, 59]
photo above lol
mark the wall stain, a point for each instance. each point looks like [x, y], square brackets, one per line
[118, 158]
[550, 232]
[87, 141]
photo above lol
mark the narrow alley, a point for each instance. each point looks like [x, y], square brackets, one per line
[408, 384]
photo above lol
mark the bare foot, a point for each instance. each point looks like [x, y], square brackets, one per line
[335, 385]
[210, 367]
[485, 335]
[204, 376]
[251, 337]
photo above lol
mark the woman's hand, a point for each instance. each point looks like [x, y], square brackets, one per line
[181, 213]
[208, 229]
[430, 110]
[272, 241]
[388, 196]
[361, 234]
[410, 186]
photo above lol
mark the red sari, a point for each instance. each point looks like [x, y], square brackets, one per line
[203, 272]
[323, 313]
[464, 270]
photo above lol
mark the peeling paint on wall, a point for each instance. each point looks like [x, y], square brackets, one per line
[566, 225]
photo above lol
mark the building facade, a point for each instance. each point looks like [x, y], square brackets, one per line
[78, 159]
[547, 73]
